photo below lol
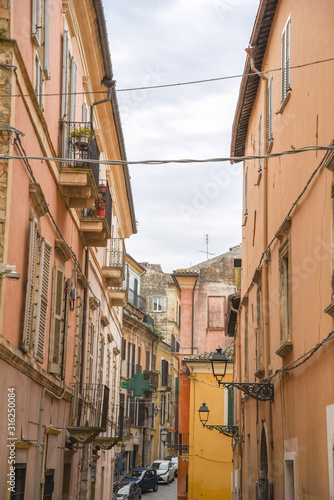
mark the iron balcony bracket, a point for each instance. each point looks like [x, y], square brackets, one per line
[259, 391]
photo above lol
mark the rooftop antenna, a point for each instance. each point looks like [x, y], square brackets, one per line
[207, 247]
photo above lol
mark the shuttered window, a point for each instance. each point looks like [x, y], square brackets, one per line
[147, 364]
[57, 330]
[47, 39]
[42, 299]
[270, 112]
[36, 305]
[90, 365]
[230, 408]
[246, 191]
[39, 79]
[141, 412]
[64, 95]
[285, 75]
[123, 351]
[36, 20]
[73, 89]
[163, 409]
[101, 363]
[260, 144]
[164, 373]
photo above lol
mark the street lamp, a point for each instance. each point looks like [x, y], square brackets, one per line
[261, 391]
[163, 436]
[227, 430]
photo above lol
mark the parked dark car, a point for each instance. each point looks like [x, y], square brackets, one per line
[145, 477]
[130, 491]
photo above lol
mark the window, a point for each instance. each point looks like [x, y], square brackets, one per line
[168, 405]
[48, 485]
[163, 409]
[90, 364]
[58, 321]
[246, 343]
[123, 351]
[20, 480]
[289, 477]
[270, 112]
[36, 21]
[147, 363]
[36, 306]
[39, 79]
[216, 313]
[164, 372]
[230, 407]
[246, 192]
[285, 299]
[260, 144]
[131, 359]
[259, 335]
[285, 75]
[159, 304]
[101, 360]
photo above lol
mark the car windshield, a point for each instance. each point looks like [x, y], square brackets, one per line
[135, 474]
[160, 466]
[123, 489]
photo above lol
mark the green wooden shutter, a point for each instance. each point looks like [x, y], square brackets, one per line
[42, 299]
[230, 407]
[57, 320]
[29, 305]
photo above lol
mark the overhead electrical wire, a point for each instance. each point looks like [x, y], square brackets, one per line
[72, 161]
[179, 84]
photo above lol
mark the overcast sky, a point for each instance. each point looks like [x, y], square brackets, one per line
[154, 42]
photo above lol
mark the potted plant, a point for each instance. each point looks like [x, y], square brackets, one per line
[81, 137]
[100, 207]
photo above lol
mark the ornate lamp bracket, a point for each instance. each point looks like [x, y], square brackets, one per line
[227, 430]
[259, 391]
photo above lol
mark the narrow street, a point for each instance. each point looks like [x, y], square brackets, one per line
[165, 492]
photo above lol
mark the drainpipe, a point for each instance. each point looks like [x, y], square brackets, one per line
[251, 54]
[192, 317]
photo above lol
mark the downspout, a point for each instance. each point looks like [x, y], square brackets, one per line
[84, 457]
[192, 317]
[251, 54]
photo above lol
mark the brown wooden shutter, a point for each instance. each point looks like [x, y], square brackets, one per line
[42, 299]
[141, 413]
[29, 305]
[57, 320]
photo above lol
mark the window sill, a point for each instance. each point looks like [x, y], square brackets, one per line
[330, 309]
[285, 348]
[284, 103]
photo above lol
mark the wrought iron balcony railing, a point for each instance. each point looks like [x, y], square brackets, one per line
[181, 444]
[115, 255]
[89, 411]
[152, 377]
[81, 146]
[136, 300]
[103, 204]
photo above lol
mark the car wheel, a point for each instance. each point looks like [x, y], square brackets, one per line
[155, 487]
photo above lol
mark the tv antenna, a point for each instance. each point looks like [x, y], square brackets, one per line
[207, 247]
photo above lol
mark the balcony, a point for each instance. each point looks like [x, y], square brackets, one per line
[136, 300]
[153, 378]
[79, 179]
[95, 223]
[118, 297]
[89, 412]
[113, 270]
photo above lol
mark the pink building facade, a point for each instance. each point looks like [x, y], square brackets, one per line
[63, 225]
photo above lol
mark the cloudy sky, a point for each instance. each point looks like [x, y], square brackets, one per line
[156, 42]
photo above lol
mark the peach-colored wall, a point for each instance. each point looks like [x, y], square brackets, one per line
[301, 395]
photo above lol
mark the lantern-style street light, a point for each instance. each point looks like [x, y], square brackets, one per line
[227, 430]
[262, 391]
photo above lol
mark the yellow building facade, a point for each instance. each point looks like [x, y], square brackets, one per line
[210, 452]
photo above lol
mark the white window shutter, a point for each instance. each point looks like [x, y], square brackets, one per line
[283, 66]
[287, 57]
[47, 39]
[29, 304]
[42, 299]
[57, 320]
[260, 144]
[64, 96]
[36, 20]
[73, 90]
